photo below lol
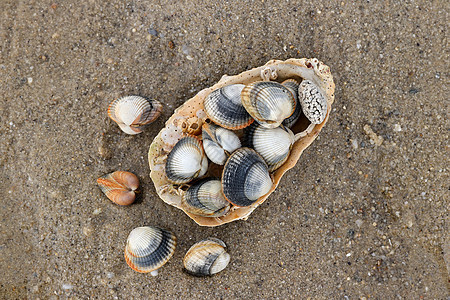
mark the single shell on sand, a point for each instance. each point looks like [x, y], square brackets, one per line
[206, 257]
[119, 187]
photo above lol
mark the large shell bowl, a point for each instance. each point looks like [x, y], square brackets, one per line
[189, 118]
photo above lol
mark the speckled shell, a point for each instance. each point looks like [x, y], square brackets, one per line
[305, 132]
[132, 113]
[314, 104]
[205, 198]
[186, 161]
[119, 187]
[273, 144]
[292, 86]
[219, 143]
[268, 102]
[223, 106]
[206, 257]
[148, 248]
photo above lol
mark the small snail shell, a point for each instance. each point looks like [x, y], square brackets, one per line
[186, 161]
[245, 177]
[119, 187]
[132, 113]
[314, 104]
[268, 102]
[292, 85]
[149, 248]
[206, 257]
[219, 143]
[223, 106]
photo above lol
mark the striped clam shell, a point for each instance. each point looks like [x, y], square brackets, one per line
[273, 144]
[148, 248]
[292, 86]
[132, 113]
[245, 177]
[186, 161]
[206, 257]
[314, 104]
[205, 199]
[268, 102]
[223, 106]
[119, 187]
[219, 142]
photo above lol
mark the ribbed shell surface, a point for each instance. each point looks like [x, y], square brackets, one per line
[245, 177]
[268, 102]
[206, 257]
[219, 142]
[119, 186]
[186, 161]
[292, 86]
[148, 248]
[314, 104]
[223, 106]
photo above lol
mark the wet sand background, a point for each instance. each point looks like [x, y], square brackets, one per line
[363, 215]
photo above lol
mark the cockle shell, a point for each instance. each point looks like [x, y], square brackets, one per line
[305, 132]
[148, 248]
[119, 187]
[314, 104]
[292, 85]
[206, 257]
[219, 143]
[132, 113]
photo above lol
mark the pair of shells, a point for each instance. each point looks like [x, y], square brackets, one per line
[133, 113]
[148, 248]
[120, 187]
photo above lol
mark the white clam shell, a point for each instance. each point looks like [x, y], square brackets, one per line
[219, 142]
[206, 257]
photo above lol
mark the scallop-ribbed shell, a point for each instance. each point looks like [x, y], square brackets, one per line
[219, 142]
[186, 161]
[314, 104]
[223, 106]
[245, 177]
[206, 257]
[149, 248]
[119, 186]
[273, 144]
[132, 113]
[205, 198]
[268, 102]
[292, 86]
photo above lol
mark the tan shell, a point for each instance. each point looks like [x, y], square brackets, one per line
[305, 132]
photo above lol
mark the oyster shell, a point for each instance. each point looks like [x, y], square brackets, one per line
[305, 132]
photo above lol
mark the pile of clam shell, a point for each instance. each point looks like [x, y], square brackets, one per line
[223, 152]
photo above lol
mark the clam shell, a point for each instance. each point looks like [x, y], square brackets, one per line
[148, 248]
[223, 106]
[292, 86]
[186, 161]
[119, 187]
[273, 144]
[132, 113]
[205, 199]
[268, 102]
[206, 257]
[219, 142]
[298, 69]
[245, 177]
[314, 104]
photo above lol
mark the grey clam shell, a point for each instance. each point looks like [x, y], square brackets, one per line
[148, 248]
[245, 177]
[223, 106]
[314, 104]
[219, 143]
[205, 198]
[206, 257]
[186, 161]
[292, 85]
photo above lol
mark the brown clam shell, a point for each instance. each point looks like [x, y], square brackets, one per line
[119, 187]
[305, 132]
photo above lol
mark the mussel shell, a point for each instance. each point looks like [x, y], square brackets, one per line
[205, 198]
[273, 144]
[219, 142]
[292, 85]
[223, 106]
[245, 177]
[149, 248]
[132, 113]
[119, 186]
[314, 104]
[268, 102]
[206, 257]
[186, 161]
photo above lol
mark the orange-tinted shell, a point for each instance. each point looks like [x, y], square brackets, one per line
[305, 132]
[119, 187]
